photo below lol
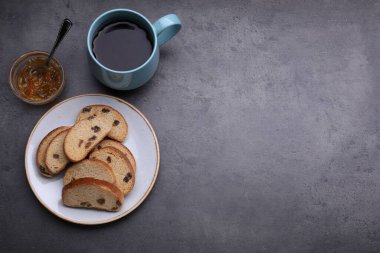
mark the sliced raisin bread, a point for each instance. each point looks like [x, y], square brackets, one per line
[89, 168]
[41, 151]
[92, 193]
[121, 147]
[55, 158]
[119, 130]
[85, 135]
[125, 176]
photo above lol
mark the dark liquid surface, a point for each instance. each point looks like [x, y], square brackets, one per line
[122, 46]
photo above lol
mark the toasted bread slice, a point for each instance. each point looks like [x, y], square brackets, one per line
[119, 130]
[121, 147]
[125, 176]
[85, 135]
[41, 151]
[55, 158]
[92, 168]
[92, 193]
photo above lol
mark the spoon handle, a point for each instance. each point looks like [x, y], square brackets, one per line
[65, 27]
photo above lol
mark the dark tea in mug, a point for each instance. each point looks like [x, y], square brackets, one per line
[122, 45]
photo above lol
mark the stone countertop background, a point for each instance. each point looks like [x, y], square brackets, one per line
[267, 117]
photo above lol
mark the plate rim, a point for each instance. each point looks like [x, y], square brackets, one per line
[139, 202]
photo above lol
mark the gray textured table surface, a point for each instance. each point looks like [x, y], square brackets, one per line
[267, 118]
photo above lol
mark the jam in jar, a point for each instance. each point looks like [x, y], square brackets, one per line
[38, 81]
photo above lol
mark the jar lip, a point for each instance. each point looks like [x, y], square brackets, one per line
[22, 59]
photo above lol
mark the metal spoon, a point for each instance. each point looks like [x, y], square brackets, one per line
[65, 27]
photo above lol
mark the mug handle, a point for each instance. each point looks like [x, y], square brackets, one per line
[166, 27]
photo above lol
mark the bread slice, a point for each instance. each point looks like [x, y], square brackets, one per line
[119, 130]
[121, 147]
[89, 168]
[92, 193]
[85, 135]
[41, 151]
[125, 176]
[55, 158]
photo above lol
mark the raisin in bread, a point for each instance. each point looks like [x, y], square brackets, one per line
[121, 147]
[55, 159]
[85, 135]
[92, 193]
[41, 151]
[125, 176]
[119, 128]
[89, 168]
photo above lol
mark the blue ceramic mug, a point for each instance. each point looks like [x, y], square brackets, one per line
[160, 32]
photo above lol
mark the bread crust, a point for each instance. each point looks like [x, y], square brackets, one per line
[96, 182]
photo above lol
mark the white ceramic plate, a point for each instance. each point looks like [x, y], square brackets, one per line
[141, 141]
